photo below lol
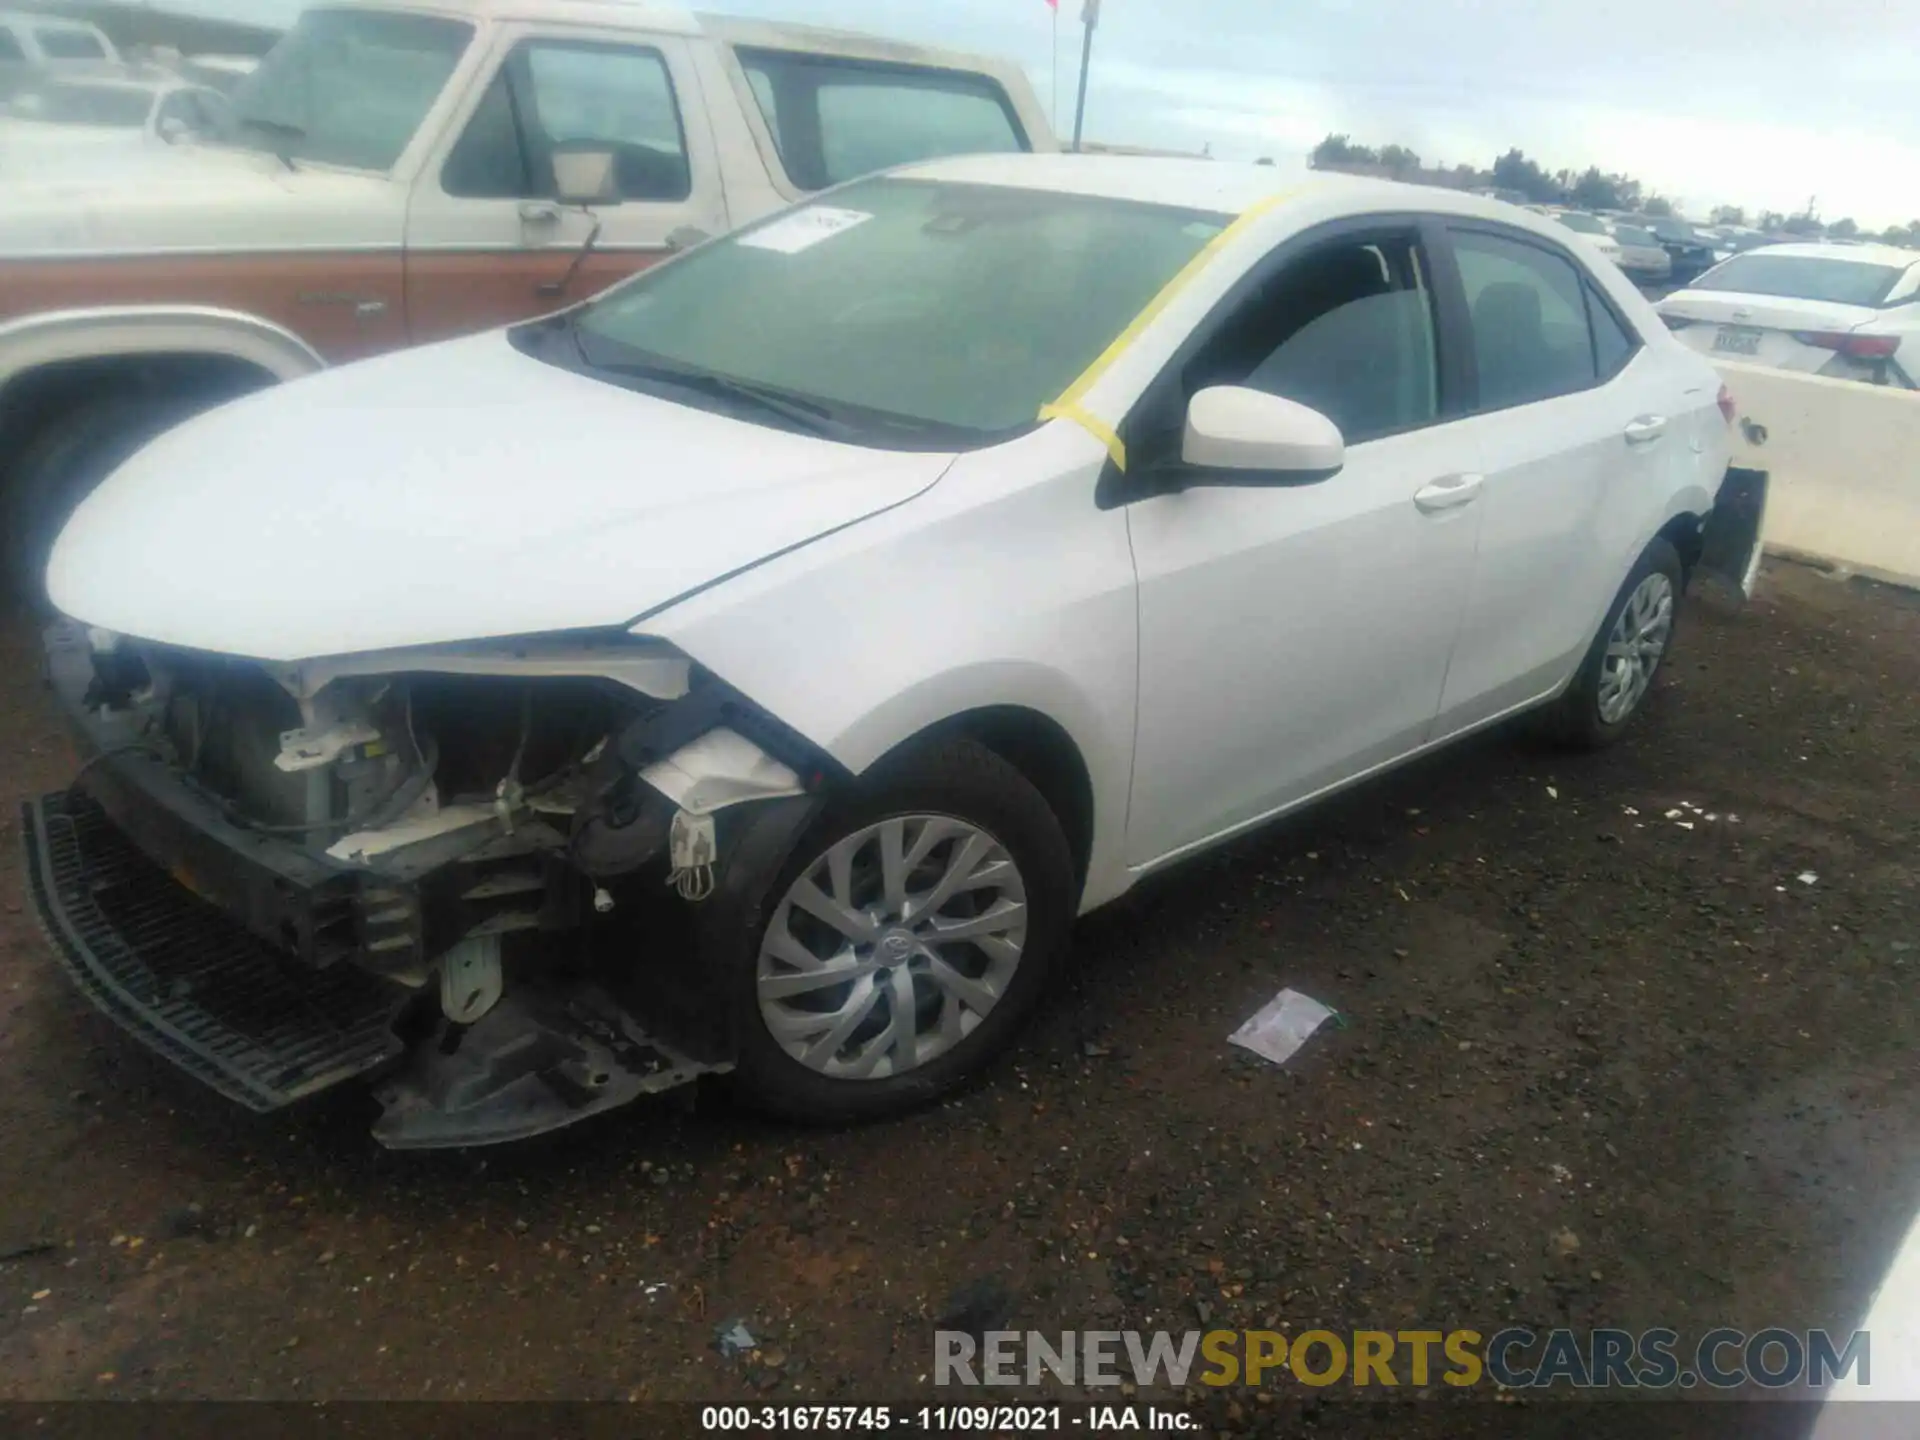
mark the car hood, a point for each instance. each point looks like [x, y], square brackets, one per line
[60, 199]
[462, 491]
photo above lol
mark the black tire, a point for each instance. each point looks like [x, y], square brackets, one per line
[1575, 720]
[59, 467]
[957, 778]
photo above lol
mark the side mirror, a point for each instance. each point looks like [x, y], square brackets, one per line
[585, 177]
[1259, 439]
[173, 130]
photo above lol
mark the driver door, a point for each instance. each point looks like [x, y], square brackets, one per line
[488, 243]
[1293, 637]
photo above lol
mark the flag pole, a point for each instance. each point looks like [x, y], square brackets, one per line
[1089, 17]
[1055, 7]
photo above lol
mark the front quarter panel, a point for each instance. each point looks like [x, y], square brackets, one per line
[1002, 586]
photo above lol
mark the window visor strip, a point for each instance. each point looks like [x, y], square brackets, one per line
[1069, 407]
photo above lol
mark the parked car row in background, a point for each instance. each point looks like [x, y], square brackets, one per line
[34, 47]
[67, 91]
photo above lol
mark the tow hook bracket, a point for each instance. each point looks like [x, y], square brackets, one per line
[471, 978]
[542, 1058]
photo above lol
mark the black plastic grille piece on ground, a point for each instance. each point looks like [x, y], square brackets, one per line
[185, 979]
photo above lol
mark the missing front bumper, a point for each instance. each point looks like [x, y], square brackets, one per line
[201, 991]
[184, 979]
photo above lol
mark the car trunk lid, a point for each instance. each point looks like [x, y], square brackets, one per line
[1771, 330]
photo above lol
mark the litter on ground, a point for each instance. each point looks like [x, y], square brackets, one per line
[1281, 1026]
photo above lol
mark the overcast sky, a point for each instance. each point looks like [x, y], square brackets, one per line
[1761, 103]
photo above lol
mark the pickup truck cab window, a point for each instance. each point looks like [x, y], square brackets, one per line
[347, 87]
[553, 92]
[835, 118]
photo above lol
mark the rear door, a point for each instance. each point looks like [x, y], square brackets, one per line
[487, 242]
[1580, 432]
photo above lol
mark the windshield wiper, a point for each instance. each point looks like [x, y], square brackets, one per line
[805, 414]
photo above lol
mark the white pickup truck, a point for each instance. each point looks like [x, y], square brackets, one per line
[400, 171]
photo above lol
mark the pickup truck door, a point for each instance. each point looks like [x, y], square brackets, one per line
[486, 242]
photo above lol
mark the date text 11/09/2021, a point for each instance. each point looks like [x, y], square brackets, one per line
[946, 1419]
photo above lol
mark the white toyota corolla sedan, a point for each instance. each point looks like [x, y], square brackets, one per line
[758, 667]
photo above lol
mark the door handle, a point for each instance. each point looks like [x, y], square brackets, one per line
[1449, 492]
[539, 212]
[1644, 428]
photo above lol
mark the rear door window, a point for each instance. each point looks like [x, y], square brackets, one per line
[834, 118]
[1528, 310]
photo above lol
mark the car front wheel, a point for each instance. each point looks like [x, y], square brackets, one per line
[900, 943]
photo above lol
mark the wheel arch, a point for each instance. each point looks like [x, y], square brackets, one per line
[1049, 724]
[129, 333]
[1040, 748]
[52, 360]
[1686, 532]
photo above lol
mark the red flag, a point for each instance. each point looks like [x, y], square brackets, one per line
[1053, 4]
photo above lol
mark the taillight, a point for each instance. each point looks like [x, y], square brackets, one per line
[1859, 347]
[1676, 322]
[1726, 404]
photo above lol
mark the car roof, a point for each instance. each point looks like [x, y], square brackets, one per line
[681, 20]
[1865, 254]
[41, 20]
[641, 14]
[1222, 186]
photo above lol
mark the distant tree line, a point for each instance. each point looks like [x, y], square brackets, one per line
[1589, 189]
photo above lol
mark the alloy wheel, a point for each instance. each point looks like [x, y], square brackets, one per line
[1635, 646]
[892, 946]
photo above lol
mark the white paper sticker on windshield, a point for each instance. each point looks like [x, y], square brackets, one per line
[804, 229]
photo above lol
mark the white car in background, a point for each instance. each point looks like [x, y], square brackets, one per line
[1851, 312]
[899, 577]
[38, 41]
[1592, 227]
[71, 118]
[1642, 255]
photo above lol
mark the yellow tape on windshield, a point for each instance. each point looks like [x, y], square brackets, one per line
[1068, 406]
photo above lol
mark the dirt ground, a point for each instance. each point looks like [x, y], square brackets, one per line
[1597, 1066]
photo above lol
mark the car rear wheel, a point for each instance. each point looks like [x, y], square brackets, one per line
[902, 942]
[1617, 674]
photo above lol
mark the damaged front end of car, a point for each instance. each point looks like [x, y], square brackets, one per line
[463, 873]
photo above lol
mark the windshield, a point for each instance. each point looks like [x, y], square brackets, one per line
[347, 87]
[906, 305]
[1803, 277]
[1632, 235]
[110, 105]
[1585, 224]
